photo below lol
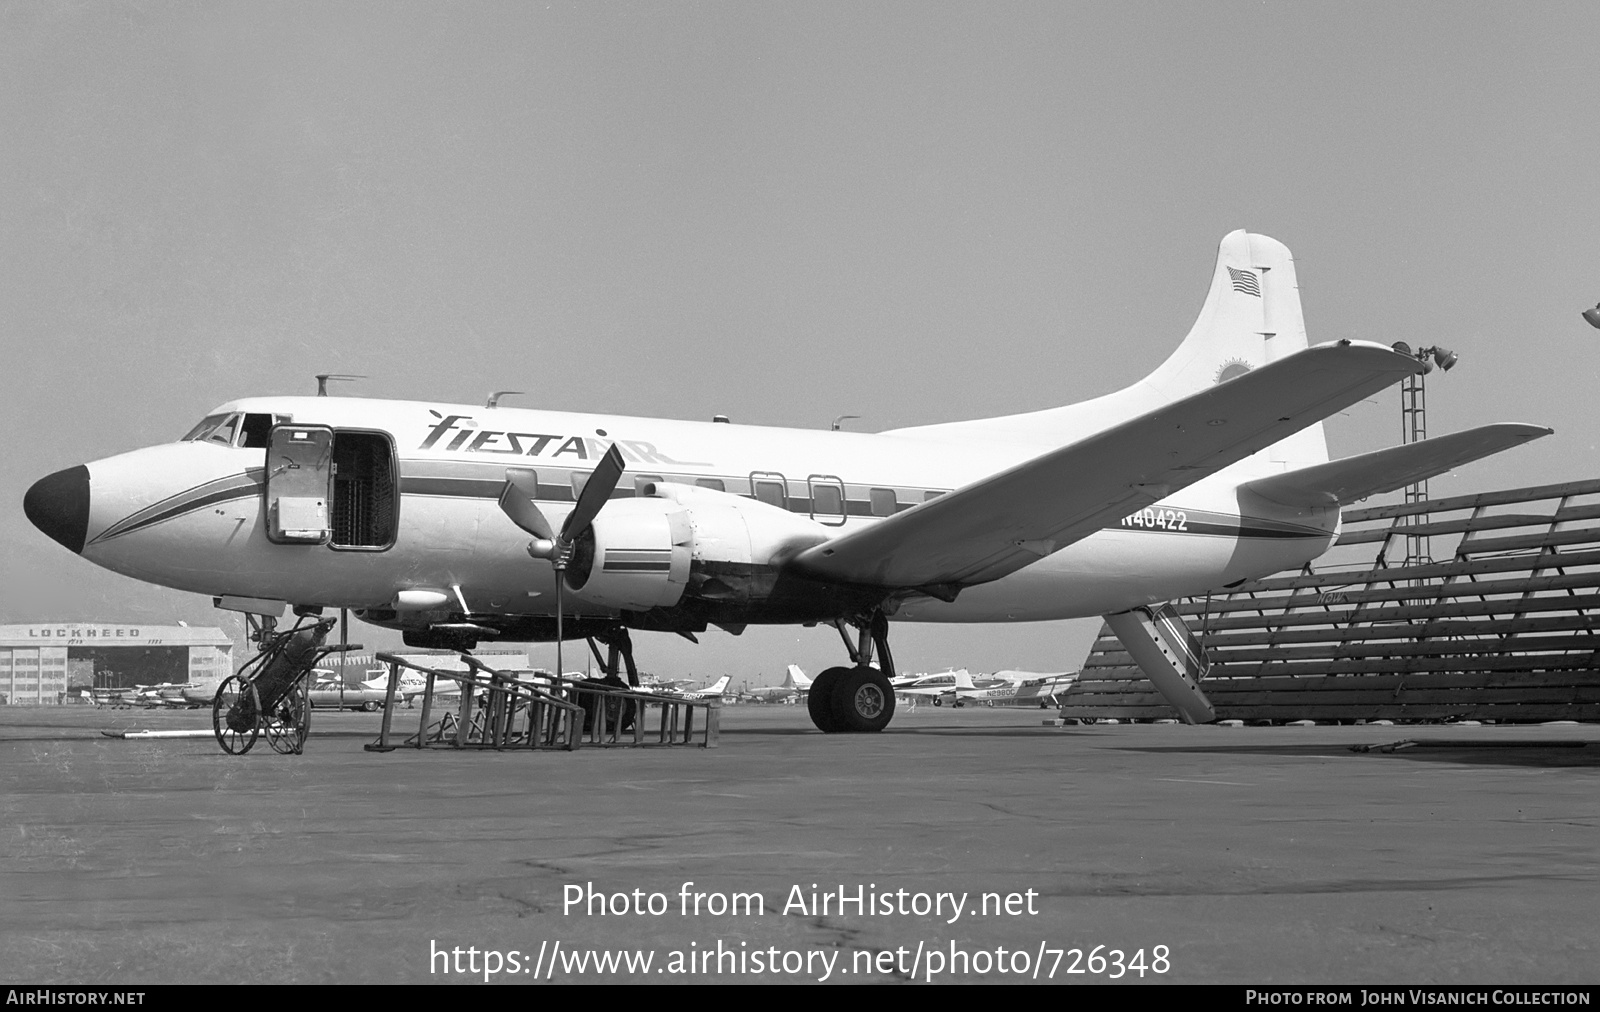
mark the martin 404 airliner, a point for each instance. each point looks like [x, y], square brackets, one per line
[418, 515]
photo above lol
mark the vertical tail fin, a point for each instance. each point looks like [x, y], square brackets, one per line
[1251, 316]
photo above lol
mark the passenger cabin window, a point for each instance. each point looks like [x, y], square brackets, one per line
[715, 484]
[770, 488]
[931, 495]
[883, 502]
[577, 481]
[827, 500]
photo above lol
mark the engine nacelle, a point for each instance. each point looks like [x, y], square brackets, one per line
[682, 540]
[635, 556]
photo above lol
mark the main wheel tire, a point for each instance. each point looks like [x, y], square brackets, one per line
[863, 700]
[819, 699]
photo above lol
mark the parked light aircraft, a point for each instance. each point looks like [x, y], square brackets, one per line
[795, 684]
[416, 515]
[944, 687]
[960, 688]
[1003, 688]
[712, 691]
[1026, 688]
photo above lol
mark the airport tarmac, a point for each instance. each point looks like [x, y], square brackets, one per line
[1250, 855]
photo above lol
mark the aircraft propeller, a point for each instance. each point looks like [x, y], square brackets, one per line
[517, 502]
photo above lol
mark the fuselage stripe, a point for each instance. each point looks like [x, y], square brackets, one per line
[461, 486]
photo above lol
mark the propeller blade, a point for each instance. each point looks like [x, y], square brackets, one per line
[516, 501]
[595, 493]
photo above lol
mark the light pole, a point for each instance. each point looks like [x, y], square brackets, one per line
[1414, 429]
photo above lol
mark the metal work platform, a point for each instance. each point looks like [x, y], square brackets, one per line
[1504, 629]
[504, 710]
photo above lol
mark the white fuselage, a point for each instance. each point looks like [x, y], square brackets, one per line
[190, 515]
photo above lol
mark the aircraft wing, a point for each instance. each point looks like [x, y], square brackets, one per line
[1386, 470]
[999, 524]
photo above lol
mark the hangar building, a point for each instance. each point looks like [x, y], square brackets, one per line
[40, 662]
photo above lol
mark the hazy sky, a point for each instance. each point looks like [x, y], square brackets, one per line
[913, 212]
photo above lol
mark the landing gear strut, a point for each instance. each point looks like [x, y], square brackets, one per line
[619, 714]
[858, 698]
[619, 647]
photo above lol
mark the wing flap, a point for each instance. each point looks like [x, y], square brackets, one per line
[1385, 470]
[1001, 523]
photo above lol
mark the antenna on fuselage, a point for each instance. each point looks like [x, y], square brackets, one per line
[494, 398]
[324, 377]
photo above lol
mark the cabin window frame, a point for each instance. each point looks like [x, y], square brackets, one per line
[770, 479]
[883, 502]
[832, 483]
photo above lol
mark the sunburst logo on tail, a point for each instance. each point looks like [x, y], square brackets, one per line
[1233, 368]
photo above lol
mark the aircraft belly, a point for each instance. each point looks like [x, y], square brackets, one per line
[1115, 570]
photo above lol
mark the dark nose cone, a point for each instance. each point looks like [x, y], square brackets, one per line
[59, 505]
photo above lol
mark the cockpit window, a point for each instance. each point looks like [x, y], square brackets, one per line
[202, 430]
[249, 431]
[215, 429]
[223, 433]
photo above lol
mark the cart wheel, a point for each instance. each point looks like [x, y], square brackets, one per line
[290, 722]
[235, 715]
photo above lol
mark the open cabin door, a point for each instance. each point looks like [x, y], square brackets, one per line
[299, 478]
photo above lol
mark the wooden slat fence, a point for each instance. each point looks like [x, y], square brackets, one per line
[1504, 628]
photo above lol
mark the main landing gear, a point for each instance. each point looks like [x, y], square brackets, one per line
[619, 714]
[858, 698]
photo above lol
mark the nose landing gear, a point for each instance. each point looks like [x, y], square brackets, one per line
[858, 698]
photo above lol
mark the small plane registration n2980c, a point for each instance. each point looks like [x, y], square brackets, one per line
[1210, 470]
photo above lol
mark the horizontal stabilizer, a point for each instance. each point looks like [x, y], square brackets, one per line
[999, 524]
[1367, 474]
